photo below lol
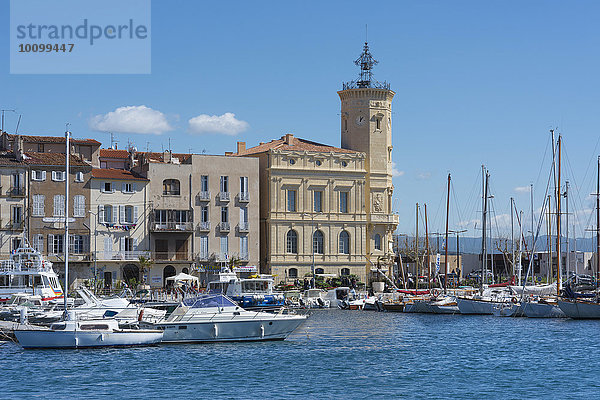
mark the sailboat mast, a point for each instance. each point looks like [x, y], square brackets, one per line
[520, 267]
[484, 229]
[512, 235]
[558, 217]
[549, 239]
[427, 250]
[446, 249]
[567, 226]
[417, 249]
[532, 236]
[598, 221]
[66, 239]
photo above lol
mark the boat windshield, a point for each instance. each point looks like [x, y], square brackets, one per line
[218, 287]
[255, 286]
[209, 301]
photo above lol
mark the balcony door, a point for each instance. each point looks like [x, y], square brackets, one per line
[181, 249]
[161, 248]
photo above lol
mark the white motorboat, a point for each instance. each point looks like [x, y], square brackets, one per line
[74, 333]
[217, 318]
[445, 305]
[339, 297]
[26, 271]
[314, 298]
[253, 293]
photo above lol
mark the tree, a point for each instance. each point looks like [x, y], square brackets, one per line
[145, 264]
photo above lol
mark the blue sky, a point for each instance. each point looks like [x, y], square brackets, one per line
[476, 83]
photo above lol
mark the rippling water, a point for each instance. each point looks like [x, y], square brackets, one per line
[335, 354]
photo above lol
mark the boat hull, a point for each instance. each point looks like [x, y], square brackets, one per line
[580, 309]
[475, 307]
[215, 330]
[542, 310]
[30, 339]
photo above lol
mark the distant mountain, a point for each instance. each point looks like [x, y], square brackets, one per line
[472, 245]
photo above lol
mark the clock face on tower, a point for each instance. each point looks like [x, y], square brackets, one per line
[360, 120]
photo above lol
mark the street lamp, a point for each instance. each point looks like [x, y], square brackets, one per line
[312, 218]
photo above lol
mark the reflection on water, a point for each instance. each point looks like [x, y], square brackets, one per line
[353, 354]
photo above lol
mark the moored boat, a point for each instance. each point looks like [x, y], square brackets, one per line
[217, 318]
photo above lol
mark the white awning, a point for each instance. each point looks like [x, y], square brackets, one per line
[182, 277]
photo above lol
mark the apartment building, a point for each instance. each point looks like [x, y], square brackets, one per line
[13, 202]
[46, 210]
[119, 225]
[202, 210]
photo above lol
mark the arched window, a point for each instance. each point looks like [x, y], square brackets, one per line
[292, 242]
[185, 270]
[171, 187]
[318, 242]
[293, 272]
[377, 239]
[345, 272]
[344, 242]
[319, 271]
[131, 272]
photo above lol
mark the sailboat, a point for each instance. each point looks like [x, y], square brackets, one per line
[488, 298]
[547, 307]
[575, 306]
[74, 332]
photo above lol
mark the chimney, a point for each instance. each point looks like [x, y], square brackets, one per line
[289, 137]
[241, 146]
[18, 148]
[167, 156]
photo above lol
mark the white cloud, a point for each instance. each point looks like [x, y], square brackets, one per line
[424, 175]
[225, 124]
[395, 172]
[522, 189]
[131, 119]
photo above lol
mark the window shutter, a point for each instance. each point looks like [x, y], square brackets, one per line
[121, 214]
[108, 243]
[56, 205]
[133, 188]
[53, 175]
[50, 243]
[122, 244]
[72, 244]
[62, 205]
[135, 214]
[100, 214]
[123, 187]
[86, 244]
[115, 212]
[135, 244]
[43, 175]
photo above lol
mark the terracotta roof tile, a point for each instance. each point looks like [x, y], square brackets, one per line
[53, 139]
[296, 144]
[35, 158]
[8, 158]
[112, 153]
[110, 173]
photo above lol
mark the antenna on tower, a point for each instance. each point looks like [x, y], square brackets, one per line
[18, 123]
[366, 33]
[2, 125]
[366, 62]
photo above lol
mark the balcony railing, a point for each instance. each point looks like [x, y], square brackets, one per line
[16, 226]
[122, 255]
[244, 256]
[222, 257]
[243, 226]
[171, 256]
[224, 196]
[172, 226]
[16, 191]
[224, 227]
[244, 197]
[203, 256]
[204, 226]
[204, 196]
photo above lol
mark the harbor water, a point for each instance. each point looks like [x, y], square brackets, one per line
[335, 354]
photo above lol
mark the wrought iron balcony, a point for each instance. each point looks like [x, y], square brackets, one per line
[224, 196]
[244, 197]
[171, 256]
[122, 255]
[16, 191]
[172, 227]
[243, 226]
[203, 196]
[224, 227]
[204, 226]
